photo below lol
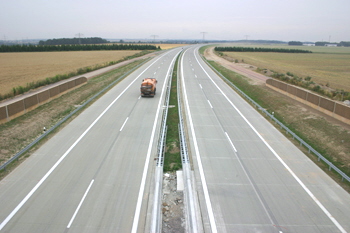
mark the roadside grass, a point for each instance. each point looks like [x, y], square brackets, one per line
[172, 157]
[331, 140]
[19, 132]
[326, 66]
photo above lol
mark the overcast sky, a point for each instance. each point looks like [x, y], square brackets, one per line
[301, 20]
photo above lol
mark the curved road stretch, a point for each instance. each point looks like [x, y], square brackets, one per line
[250, 178]
[94, 175]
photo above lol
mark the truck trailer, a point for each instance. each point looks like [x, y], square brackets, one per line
[148, 87]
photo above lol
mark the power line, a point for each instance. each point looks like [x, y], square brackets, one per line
[204, 35]
[79, 35]
[154, 37]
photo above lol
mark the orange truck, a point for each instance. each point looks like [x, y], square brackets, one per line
[148, 87]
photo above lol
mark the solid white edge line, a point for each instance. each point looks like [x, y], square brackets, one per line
[313, 197]
[81, 202]
[229, 139]
[200, 86]
[25, 199]
[124, 124]
[145, 168]
[199, 160]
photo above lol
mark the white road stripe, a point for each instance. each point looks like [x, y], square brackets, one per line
[229, 139]
[200, 86]
[210, 104]
[124, 124]
[81, 202]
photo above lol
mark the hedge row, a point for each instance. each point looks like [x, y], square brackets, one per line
[49, 48]
[251, 49]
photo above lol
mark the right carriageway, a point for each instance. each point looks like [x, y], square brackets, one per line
[248, 176]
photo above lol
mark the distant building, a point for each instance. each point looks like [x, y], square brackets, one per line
[331, 45]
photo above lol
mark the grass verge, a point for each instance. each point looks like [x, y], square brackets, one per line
[172, 157]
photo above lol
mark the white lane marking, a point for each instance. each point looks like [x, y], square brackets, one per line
[200, 86]
[229, 139]
[81, 202]
[145, 168]
[313, 197]
[210, 104]
[199, 160]
[195, 76]
[124, 124]
[139, 97]
[25, 199]
[154, 73]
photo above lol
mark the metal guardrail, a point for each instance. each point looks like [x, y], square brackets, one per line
[24, 150]
[288, 131]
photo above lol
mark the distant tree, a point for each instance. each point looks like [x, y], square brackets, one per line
[344, 43]
[321, 43]
[295, 43]
[251, 49]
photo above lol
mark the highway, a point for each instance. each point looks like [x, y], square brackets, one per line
[249, 177]
[94, 175]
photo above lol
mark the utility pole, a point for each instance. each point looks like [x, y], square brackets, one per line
[79, 35]
[204, 35]
[154, 38]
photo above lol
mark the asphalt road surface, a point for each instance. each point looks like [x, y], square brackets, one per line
[94, 175]
[249, 177]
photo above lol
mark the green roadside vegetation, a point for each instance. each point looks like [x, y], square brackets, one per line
[172, 157]
[19, 132]
[331, 140]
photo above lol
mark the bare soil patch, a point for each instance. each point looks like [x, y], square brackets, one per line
[172, 205]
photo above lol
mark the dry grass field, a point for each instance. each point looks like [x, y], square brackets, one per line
[18, 69]
[325, 65]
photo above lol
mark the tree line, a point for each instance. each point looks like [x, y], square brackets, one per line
[63, 41]
[322, 43]
[252, 49]
[50, 48]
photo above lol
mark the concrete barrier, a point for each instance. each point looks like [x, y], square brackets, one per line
[337, 110]
[23, 105]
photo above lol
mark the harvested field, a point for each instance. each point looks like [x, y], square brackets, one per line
[170, 46]
[18, 69]
[326, 65]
